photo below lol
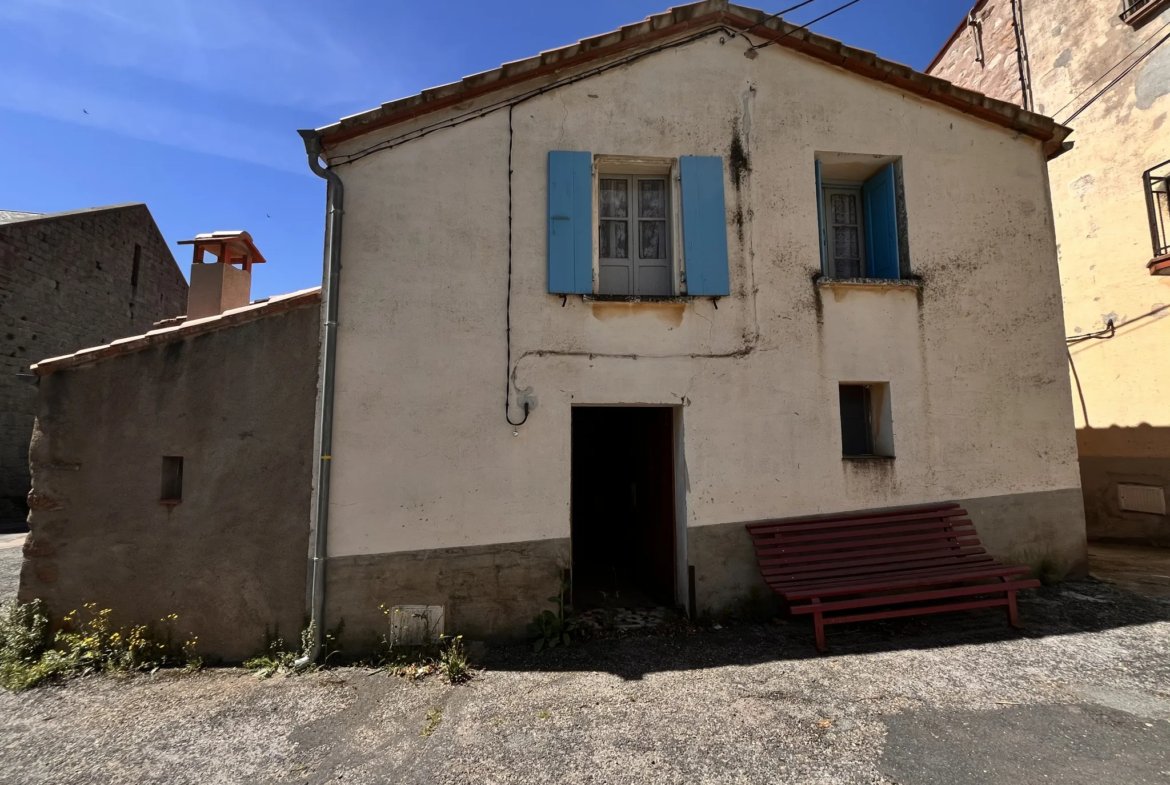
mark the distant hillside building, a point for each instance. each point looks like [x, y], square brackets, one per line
[67, 281]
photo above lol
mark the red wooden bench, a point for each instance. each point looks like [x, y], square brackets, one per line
[864, 565]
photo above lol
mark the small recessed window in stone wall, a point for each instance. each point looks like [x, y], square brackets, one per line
[172, 479]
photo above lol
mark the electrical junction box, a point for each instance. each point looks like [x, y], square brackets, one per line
[415, 625]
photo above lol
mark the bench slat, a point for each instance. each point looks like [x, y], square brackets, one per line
[796, 525]
[921, 610]
[855, 516]
[918, 596]
[870, 566]
[845, 534]
[797, 583]
[867, 556]
[840, 546]
[902, 583]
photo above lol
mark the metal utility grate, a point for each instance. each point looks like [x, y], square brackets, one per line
[1141, 498]
[415, 625]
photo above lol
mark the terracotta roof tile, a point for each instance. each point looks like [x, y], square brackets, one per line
[709, 14]
[181, 330]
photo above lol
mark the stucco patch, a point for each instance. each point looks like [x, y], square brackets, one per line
[1063, 59]
[1153, 80]
[1081, 186]
[671, 313]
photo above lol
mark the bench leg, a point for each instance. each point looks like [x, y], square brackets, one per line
[819, 624]
[1012, 611]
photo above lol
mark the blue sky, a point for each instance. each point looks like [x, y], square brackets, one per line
[192, 106]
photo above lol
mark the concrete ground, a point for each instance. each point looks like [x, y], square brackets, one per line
[1138, 568]
[1083, 696]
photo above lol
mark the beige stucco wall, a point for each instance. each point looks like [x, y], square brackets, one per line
[1123, 420]
[422, 456]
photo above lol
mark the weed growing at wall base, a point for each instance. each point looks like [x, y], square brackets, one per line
[549, 629]
[444, 654]
[88, 643]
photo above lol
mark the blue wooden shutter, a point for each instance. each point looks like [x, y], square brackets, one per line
[704, 223]
[881, 224]
[821, 220]
[570, 222]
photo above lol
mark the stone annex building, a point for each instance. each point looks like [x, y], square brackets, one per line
[69, 280]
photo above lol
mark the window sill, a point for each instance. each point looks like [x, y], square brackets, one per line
[652, 298]
[868, 458]
[170, 502]
[869, 283]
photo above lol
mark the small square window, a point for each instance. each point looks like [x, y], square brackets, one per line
[634, 256]
[172, 479]
[866, 428]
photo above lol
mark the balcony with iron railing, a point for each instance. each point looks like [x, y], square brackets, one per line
[1137, 12]
[1157, 187]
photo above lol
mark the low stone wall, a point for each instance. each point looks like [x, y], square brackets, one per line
[488, 592]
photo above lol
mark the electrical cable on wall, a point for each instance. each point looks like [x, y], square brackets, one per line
[1100, 335]
[508, 302]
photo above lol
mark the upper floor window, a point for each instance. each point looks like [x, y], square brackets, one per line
[636, 227]
[1158, 210]
[634, 244]
[1138, 12]
[861, 213]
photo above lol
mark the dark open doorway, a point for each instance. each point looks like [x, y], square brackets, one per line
[623, 523]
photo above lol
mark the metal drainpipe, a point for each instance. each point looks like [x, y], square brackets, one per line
[334, 200]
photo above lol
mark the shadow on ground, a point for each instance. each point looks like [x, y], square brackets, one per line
[1082, 606]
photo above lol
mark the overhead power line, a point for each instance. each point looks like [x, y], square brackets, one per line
[1102, 76]
[803, 26]
[1116, 79]
[765, 20]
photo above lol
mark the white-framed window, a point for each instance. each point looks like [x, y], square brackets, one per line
[845, 226]
[638, 251]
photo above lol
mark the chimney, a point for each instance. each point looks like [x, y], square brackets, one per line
[226, 282]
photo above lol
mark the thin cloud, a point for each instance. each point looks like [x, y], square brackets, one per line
[222, 46]
[191, 131]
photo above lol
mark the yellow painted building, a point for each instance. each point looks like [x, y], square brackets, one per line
[1103, 68]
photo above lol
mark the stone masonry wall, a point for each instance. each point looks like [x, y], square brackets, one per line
[999, 74]
[67, 281]
[229, 556]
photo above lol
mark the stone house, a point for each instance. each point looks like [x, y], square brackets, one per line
[204, 513]
[69, 280]
[1103, 67]
[727, 270]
